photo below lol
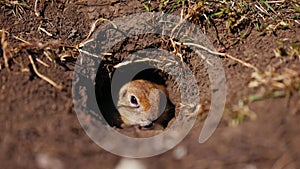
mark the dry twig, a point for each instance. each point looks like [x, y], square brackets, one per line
[220, 54]
[92, 30]
[35, 8]
[4, 49]
[42, 76]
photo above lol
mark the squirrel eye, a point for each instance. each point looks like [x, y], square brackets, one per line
[133, 100]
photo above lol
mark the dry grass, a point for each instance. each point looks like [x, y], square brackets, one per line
[18, 7]
[241, 18]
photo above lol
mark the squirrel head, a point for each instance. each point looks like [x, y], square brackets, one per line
[141, 102]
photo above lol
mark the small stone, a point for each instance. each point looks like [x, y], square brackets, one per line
[127, 163]
[45, 161]
[250, 166]
[180, 152]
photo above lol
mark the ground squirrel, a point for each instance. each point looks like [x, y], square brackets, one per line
[141, 102]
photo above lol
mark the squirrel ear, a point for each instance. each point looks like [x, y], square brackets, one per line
[123, 91]
[158, 101]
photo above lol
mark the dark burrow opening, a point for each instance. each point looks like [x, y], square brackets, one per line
[104, 94]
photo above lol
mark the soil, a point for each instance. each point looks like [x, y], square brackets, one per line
[39, 126]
